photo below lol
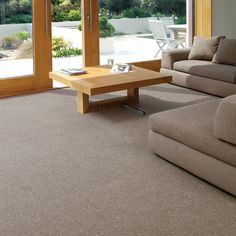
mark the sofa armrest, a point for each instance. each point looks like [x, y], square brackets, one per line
[172, 56]
[224, 124]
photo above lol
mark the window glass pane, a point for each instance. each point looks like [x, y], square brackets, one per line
[16, 50]
[66, 35]
[137, 30]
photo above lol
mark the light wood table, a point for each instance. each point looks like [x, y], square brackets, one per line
[100, 80]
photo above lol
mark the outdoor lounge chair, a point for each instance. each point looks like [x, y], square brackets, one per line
[170, 21]
[167, 21]
[159, 34]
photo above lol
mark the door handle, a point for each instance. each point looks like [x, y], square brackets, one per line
[91, 16]
[46, 17]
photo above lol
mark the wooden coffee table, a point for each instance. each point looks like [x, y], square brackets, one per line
[100, 79]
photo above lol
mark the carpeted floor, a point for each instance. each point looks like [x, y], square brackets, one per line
[62, 173]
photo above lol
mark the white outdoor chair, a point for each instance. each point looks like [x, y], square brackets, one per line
[167, 21]
[159, 34]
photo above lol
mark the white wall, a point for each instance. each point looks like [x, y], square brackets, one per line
[9, 29]
[131, 25]
[224, 18]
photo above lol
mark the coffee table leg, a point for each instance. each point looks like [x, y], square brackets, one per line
[133, 96]
[82, 100]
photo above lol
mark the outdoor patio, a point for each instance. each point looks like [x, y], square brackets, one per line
[122, 48]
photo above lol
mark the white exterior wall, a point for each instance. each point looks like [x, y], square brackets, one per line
[131, 25]
[124, 25]
[9, 29]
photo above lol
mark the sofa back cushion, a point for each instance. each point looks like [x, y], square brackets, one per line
[226, 52]
[204, 48]
[225, 120]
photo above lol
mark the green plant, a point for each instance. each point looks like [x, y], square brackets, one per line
[74, 15]
[67, 52]
[79, 27]
[63, 48]
[59, 43]
[158, 15]
[136, 12]
[22, 18]
[9, 43]
[14, 41]
[180, 20]
[60, 16]
[22, 35]
[106, 28]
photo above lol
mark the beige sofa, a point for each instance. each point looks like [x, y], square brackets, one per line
[187, 137]
[200, 138]
[201, 75]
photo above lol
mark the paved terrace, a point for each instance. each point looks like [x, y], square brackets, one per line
[123, 48]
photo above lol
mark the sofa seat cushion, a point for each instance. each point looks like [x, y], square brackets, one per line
[193, 126]
[207, 69]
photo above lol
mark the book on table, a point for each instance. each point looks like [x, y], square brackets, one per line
[73, 71]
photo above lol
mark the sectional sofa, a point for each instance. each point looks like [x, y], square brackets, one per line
[200, 74]
[201, 138]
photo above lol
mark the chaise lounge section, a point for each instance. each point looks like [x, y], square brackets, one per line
[185, 137]
[201, 138]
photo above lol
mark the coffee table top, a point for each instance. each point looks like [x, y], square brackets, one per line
[100, 79]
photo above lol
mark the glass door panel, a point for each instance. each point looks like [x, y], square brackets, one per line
[25, 46]
[126, 34]
[16, 39]
[66, 35]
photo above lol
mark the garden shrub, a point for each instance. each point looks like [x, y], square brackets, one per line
[22, 18]
[106, 28]
[60, 16]
[63, 48]
[9, 43]
[181, 20]
[79, 27]
[67, 52]
[136, 12]
[74, 15]
[66, 11]
[59, 43]
[22, 35]
[14, 41]
[158, 15]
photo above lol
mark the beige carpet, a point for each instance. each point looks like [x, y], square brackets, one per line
[62, 173]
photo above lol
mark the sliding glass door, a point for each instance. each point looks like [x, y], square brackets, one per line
[37, 37]
[25, 42]
[33, 37]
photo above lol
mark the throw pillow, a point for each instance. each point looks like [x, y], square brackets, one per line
[204, 48]
[226, 52]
